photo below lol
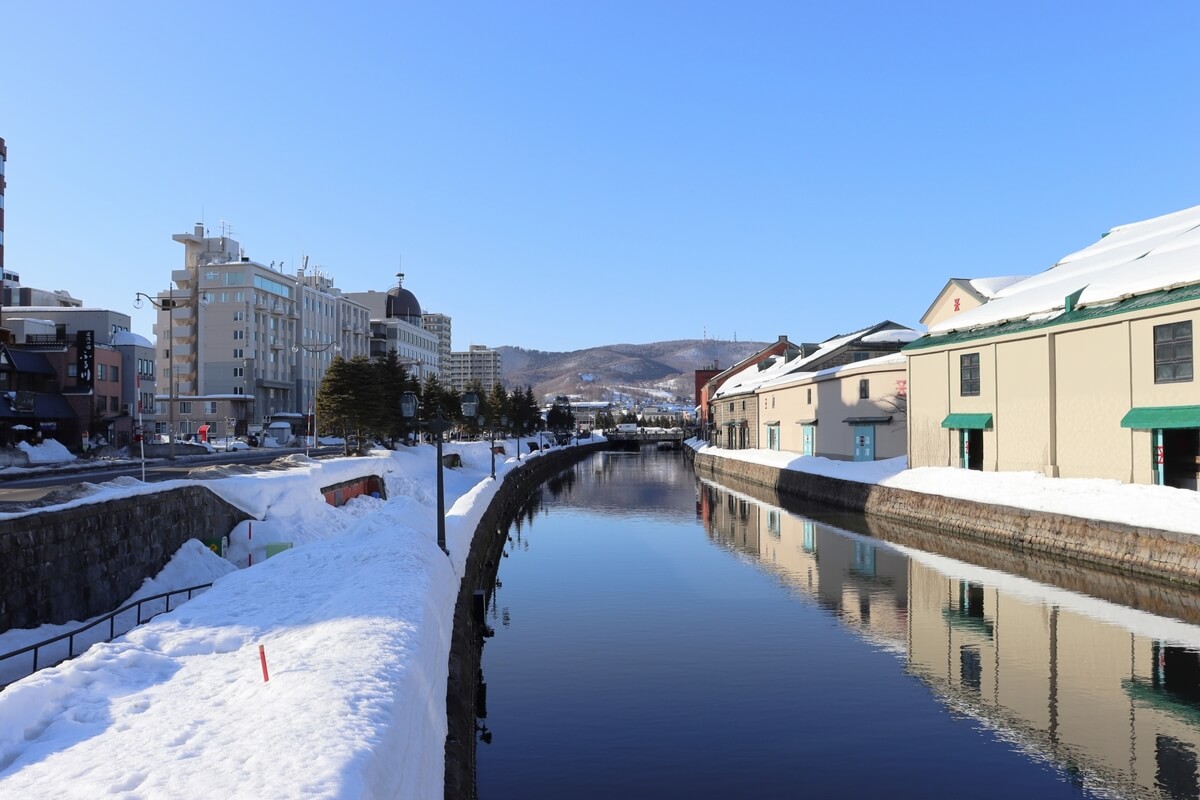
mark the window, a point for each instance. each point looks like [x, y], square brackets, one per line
[239, 334]
[114, 373]
[1173, 352]
[809, 396]
[860, 355]
[969, 375]
[731, 406]
[864, 389]
[238, 352]
[72, 371]
[114, 404]
[239, 372]
[185, 407]
[101, 372]
[210, 406]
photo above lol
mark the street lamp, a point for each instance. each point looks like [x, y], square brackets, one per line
[167, 305]
[409, 404]
[312, 401]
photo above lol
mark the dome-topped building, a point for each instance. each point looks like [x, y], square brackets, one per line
[397, 326]
[402, 304]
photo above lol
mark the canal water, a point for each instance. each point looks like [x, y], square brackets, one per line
[660, 636]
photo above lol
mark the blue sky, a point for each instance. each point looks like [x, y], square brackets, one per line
[723, 169]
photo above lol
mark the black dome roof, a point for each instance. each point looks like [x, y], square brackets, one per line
[402, 304]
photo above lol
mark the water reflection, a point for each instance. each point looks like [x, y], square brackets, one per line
[1109, 693]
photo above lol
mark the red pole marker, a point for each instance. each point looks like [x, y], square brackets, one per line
[262, 656]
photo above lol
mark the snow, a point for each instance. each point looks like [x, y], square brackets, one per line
[1161, 507]
[354, 622]
[121, 338]
[783, 372]
[48, 452]
[1133, 259]
[990, 287]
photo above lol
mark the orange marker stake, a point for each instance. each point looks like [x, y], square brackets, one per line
[262, 656]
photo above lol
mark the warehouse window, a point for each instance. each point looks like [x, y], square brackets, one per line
[969, 367]
[1173, 352]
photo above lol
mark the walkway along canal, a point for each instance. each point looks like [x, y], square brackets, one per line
[659, 635]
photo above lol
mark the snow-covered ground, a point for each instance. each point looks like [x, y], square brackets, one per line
[355, 624]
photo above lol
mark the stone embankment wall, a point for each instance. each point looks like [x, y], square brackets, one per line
[465, 691]
[76, 563]
[1148, 552]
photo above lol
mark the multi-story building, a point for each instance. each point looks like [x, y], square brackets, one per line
[478, 364]
[243, 341]
[17, 295]
[439, 325]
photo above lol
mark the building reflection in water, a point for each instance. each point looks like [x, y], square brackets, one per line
[1110, 694]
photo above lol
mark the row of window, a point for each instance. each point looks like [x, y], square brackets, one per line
[1172, 358]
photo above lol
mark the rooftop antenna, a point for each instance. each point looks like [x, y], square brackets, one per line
[226, 228]
[399, 280]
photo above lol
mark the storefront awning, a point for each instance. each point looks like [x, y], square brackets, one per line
[1150, 417]
[867, 420]
[771, 422]
[967, 421]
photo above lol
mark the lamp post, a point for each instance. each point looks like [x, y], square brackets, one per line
[409, 404]
[312, 350]
[167, 305]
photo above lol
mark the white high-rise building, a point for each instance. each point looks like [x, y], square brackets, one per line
[478, 364]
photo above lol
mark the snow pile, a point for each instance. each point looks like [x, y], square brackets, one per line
[48, 452]
[355, 623]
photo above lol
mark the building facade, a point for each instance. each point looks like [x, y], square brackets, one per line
[239, 341]
[440, 326]
[1083, 371]
[479, 364]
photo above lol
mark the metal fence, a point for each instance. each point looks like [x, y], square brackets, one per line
[51, 651]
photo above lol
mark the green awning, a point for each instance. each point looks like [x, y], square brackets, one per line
[967, 421]
[867, 420]
[1151, 417]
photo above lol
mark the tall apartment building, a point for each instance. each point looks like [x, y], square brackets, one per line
[478, 364]
[439, 326]
[242, 341]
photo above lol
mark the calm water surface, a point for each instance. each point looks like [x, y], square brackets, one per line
[660, 637]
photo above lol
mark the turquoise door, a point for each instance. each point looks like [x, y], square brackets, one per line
[808, 438]
[864, 442]
[773, 437]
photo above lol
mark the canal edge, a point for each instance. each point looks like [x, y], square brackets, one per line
[464, 672]
[1166, 556]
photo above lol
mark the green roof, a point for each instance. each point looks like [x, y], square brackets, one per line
[1150, 417]
[1152, 300]
[967, 421]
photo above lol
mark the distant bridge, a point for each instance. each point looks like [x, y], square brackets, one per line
[672, 437]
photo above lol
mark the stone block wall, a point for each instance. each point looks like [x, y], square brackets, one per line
[72, 564]
[1164, 555]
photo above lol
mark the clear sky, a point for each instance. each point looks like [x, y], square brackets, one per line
[723, 169]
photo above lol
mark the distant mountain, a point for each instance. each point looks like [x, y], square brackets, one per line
[639, 372]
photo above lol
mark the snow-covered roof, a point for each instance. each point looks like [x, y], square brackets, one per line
[752, 378]
[990, 287]
[1133, 259]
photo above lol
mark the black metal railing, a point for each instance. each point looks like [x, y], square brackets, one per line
[8, 675]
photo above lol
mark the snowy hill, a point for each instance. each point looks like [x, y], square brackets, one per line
[658, 370]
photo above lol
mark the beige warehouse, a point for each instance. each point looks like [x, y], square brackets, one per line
[1084, 370]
